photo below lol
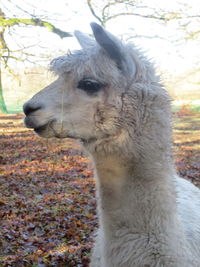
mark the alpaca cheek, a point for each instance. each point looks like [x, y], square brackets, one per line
[106, 120]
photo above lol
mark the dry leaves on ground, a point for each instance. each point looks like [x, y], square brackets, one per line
[47, 193]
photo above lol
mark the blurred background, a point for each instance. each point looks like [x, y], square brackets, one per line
[33, 32]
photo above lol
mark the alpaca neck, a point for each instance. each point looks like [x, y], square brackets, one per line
[135, 196]
[137, 213]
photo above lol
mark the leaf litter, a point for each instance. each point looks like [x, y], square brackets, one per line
[47, 193]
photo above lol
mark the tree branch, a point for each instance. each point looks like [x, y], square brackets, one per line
[34, 22]
[135, 14]
[89, 2]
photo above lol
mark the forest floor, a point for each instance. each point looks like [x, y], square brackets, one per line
[47, 192]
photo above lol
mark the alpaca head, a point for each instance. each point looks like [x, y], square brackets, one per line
[101, 95]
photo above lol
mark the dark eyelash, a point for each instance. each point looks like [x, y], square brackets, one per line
[90, 86]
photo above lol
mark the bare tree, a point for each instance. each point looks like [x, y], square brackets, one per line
[107, 10]
[111, 9]
[6, 53]
[185, 18]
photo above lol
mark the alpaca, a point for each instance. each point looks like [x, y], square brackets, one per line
[108, 97]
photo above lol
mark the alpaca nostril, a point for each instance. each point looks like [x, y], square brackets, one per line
[29, 109]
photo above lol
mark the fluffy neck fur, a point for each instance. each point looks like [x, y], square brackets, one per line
[137, 201]
[139, 189]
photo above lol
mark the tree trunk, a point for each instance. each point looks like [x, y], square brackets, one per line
[3, 108]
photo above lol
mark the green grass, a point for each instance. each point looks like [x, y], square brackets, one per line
[187, 104]
[13, 109]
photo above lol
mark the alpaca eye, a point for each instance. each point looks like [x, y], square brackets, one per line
[90, 86]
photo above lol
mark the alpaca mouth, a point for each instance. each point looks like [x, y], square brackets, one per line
[87, 141]
[41, 128]
[48, 130]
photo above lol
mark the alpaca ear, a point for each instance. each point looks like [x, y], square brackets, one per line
[84, 40]
[114, 48]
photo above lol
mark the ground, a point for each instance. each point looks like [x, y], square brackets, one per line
[47, 192]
